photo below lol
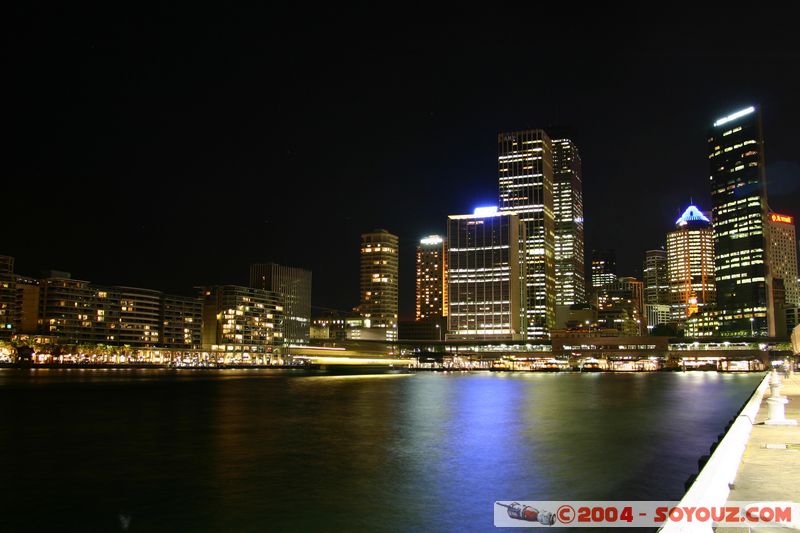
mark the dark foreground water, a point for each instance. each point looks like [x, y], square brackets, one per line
[278, 450]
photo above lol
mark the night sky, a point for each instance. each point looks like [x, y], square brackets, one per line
[172, 148]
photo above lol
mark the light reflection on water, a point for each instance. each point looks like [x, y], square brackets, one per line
[253, 450]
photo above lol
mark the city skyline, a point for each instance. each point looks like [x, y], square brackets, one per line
[153, 167]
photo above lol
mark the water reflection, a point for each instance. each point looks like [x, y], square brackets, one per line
[248, 450]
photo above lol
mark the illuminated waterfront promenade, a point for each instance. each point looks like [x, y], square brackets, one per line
[631, 353]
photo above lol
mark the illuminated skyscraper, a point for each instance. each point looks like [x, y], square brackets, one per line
[486, 276]
[656, 284]
[690, 260]
[568, 212]
[431, 278]
[604, 267]
[783, 255]
[294, 285]
[379, 280]
[739, 212]
[525, 170]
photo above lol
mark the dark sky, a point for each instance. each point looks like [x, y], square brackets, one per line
[172, 148]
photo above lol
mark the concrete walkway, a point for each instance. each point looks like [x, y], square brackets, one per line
[771, 474]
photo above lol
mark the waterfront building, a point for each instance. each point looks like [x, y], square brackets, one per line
[690, 260]
[69, 310]
[336, 325]
[604, 267]
[181, 322]
[620, 306]
[294, 284]
[241, 320]
[568, 213]
[7, 296]
[431, 289]
[525, 173]
[656, 282]
[379, 281]
[739, 214]
[783, 256]
[26, 311]
[486, 275]
[139, 316]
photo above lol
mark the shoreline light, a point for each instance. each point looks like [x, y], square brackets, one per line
[485, 211]
[734, 116]
[431, 239]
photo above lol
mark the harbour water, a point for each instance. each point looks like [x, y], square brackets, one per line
[256, 450]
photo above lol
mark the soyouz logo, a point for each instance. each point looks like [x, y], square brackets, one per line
[518, 513]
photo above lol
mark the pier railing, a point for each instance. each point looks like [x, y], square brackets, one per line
[713, 484]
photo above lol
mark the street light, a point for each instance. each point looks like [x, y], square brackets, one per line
[439, 328]
[751, 326]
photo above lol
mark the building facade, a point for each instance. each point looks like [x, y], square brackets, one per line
[690, 260]
[294, 285]
[620, 306]
[783, 256]
[486, 276]
[431, 289]
[525, 173]
[604, 267]
[8, 296]
[241, 320]
[379, 280]
[568, 213]
[181, 322]
[655, 278]
[739, 214]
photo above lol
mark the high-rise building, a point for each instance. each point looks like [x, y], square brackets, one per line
[690, 260]
[568, 212]
[241, 320]
[656, 284]
[783, 255]
[294, 285]
[486, 275]
[379, 280]
[604, 267]
[739, 213]
[431, 296]
[525, 173]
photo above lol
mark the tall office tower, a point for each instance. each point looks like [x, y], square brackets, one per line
[656, 284]
[486, 275]
[739, 213]
[431, 278]
[783, 255]
[294, 284]
[604, 267]
[8, 296]
[568, 212]
[525, 172]
[690, 260]
[379, 280]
